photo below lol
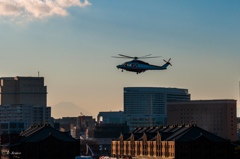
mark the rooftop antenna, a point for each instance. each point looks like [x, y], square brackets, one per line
[38, 73]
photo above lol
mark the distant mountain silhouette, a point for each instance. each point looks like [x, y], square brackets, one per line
[68, 109]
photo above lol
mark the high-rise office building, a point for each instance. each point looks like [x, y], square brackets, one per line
[145, 106]
[24, 99]
[151, 100]
[23, 90]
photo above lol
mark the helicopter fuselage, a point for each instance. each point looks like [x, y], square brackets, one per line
[140, 66]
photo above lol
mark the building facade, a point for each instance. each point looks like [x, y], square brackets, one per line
[176, 142]
[11, 127]
[84, 122]
[24, 99]
[215, 116]
[238, 128]
[151, 100]
[145, 106]
[23, 90]
[112, 117]
[104, 133]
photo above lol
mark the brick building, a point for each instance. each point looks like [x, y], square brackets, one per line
[179, 142]
[215, 116]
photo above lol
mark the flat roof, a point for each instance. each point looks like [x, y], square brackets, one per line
[204, 101]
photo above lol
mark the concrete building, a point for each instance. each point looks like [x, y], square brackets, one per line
[23, 90]
[215, 116]
[104, 133]
[238, 128]
[81, 122]
[11, 127]
[145, 106]
[75, 132]
[28, 114]
[107, 130]
[84, 122]
[24, 99]
[111, 117]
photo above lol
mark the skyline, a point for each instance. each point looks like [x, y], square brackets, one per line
[72, 48]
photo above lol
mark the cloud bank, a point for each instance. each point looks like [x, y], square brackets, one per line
[38, 8]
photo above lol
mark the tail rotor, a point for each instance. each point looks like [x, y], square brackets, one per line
[168, 61]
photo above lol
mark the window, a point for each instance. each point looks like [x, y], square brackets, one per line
[13, 125]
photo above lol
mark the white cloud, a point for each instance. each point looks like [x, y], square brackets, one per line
[38, 8]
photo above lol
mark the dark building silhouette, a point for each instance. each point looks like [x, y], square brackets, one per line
[108, 130]
[38, 142]
[179, 142]
[103, 134]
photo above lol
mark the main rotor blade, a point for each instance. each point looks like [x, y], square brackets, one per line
[119, 57]
[145, 55]
[149, 57]
[125, 56]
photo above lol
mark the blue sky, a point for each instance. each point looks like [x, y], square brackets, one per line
[73, 51]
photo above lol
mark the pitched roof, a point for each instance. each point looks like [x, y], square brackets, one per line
[40, 132]
[182, 133]
[192, 133]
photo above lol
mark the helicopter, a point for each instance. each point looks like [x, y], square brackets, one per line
[139, 66]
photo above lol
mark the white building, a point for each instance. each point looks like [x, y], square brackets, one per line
[24, 99]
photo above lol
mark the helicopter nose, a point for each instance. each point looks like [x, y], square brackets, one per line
[118, 66]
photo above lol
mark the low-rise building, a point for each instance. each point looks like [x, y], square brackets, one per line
[38, 142]
[104, 133]
[108, 130]
[177, 142]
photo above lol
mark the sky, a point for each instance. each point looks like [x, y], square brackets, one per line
[71, 43]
